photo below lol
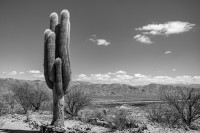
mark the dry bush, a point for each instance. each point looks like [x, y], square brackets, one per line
[92, 116]
[38, 96]
[47, 106]
[75, 100]
[9, 99]
[120, 120]
[100, 114]
[4, 109]
[182, 107]
[28, 96]
[163, 115]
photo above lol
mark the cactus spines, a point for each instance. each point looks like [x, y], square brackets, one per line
[46, 75]
[64, 40]
[53, 21]
[56, 63]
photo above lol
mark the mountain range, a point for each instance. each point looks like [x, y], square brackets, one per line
[111, 92]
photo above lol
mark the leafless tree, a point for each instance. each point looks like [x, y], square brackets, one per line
[185, 102]
[37, 96]
[10, 100]
[75, 100]
[29, 96]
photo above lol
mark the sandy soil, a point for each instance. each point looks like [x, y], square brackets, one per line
[26, 123]
[15, 123]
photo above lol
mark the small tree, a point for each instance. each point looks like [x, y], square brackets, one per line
[75, 101]
[21, 93]
[28, 96]
[163, 115]
[9, 99]
[185, 102]
[37, 97]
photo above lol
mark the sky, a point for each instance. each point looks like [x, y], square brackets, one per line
[112, 41]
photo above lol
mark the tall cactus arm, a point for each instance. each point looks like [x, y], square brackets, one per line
[58, 78]
[64, 40]
[46, 75]
[58, 101]
[51, 55]
[53, 21]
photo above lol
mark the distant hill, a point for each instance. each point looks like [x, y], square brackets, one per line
[116, 91]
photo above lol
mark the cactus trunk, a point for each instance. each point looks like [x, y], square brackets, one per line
[57, 64]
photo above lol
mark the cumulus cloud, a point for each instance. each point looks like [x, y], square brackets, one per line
[117, 72]
[38, 75]
[34, 71]
[171, 27]
[91, 39]
[102, 42]
[168, 28]
[140, 75]
[168, 52]
[100, 76]
[138, 79]
[124, 77]
[98, 41]
[116, 76]
[21, 72]
[143, 39]
[12, 73]
[174, 69]
[83, 77]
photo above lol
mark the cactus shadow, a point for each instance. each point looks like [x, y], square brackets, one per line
[17, 131]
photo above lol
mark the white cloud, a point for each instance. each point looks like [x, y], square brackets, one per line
[91, 39]
[168, 28]
[40, 75]
[174, 69]
[171, 27]
[12, 73]
[21, 72]
[124, 77]
[4, 72]
[100, 42]
[117, 72]
[197, 77]
[34, 71]
[137, 79]
[83, 77]
[168, 52]
[120, 72]
[100, 76]
[140, 75]
[143, 39]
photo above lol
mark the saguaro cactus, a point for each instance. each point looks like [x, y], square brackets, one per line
[56, 63]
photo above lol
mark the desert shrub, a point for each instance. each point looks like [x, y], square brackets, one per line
[4, 109]
[182, 107]
[47, 106]
[120, 120]
[37, 97]
[21, 93]
[9, 99]
[92, 116]
[100, 114]
[186, 103]
[75, 100]
[163, 115]
[28, 96]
